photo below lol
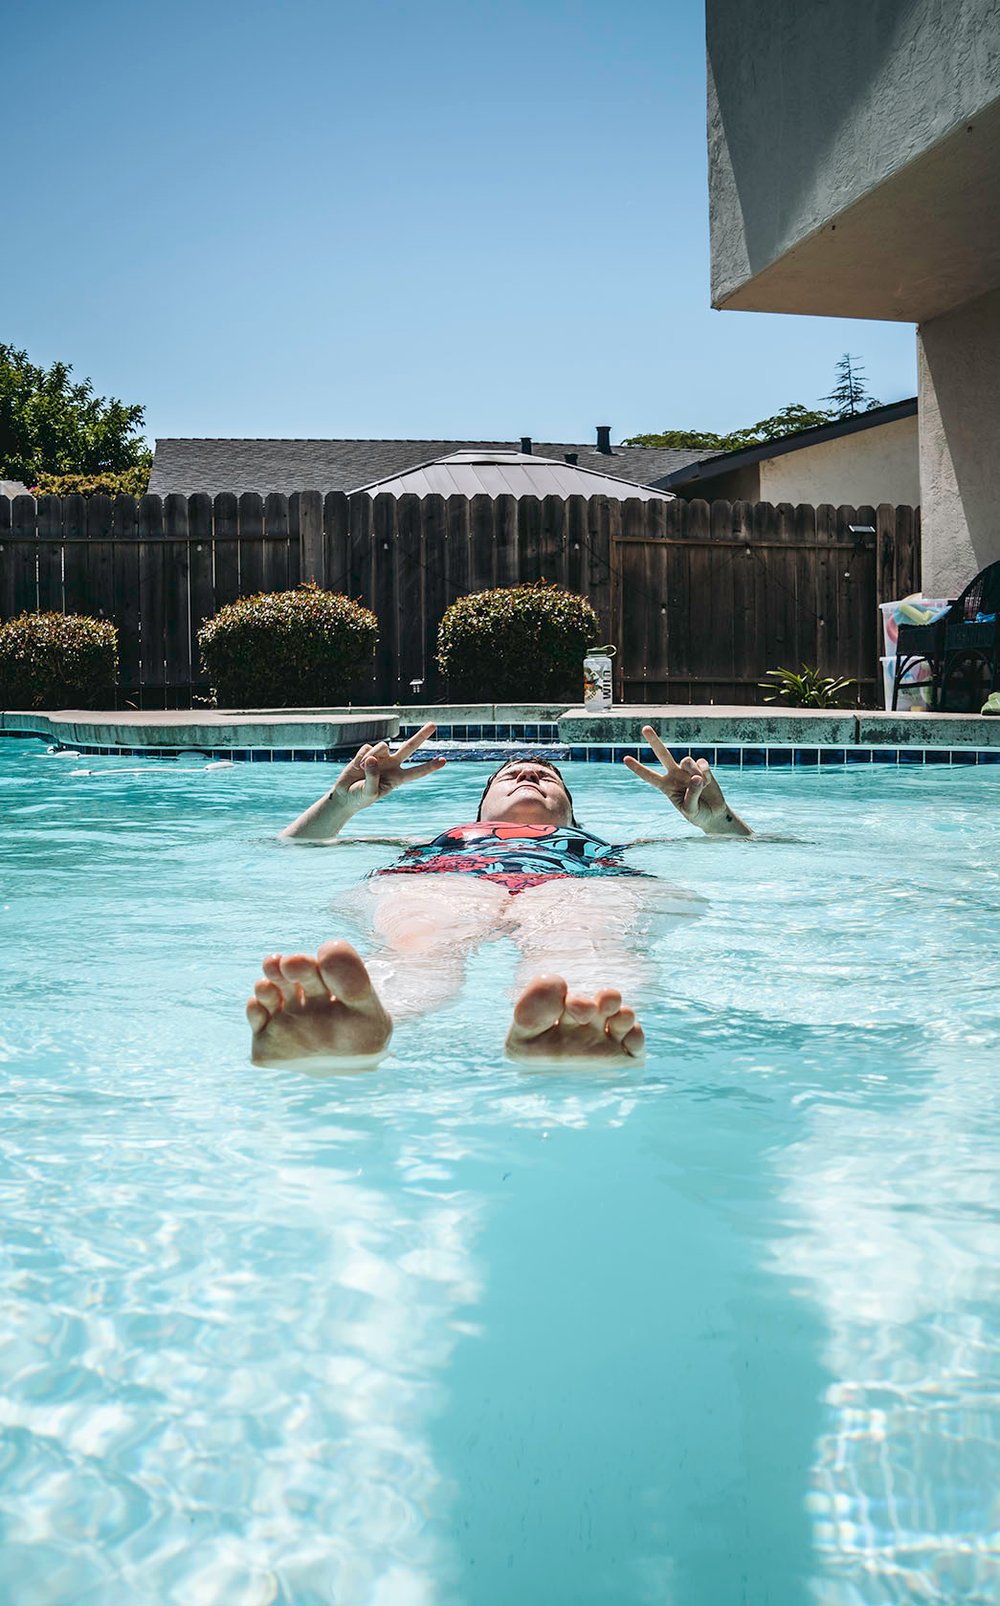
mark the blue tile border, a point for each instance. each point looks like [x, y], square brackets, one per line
[489, 742]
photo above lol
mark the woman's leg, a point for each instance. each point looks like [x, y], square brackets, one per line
[426, 927]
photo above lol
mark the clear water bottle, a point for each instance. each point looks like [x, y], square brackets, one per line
[597, 679]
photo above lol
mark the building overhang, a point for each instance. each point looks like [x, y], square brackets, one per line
[923, 241]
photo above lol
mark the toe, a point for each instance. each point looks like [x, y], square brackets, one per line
[620, 1024]
[257, 1015]
[268, 996]
[343, 973]
[302, 970]
[540, 1005]
[272, 970]
[635, 1043]
[609, 1002]
[580, 1011]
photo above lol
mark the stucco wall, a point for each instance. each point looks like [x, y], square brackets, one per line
[959, 379]
[813, 105]
[871, 466]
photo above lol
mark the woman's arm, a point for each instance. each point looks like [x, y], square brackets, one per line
[372, 773]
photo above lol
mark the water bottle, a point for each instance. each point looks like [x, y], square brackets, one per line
[597, 679]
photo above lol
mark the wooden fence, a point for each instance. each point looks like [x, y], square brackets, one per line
[701, 599]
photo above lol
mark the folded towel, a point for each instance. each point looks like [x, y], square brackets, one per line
[992, 704]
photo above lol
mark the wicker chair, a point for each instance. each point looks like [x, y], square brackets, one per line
[969, 662]
[962, 652]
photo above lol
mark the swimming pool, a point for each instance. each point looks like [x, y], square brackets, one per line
[719, 1329]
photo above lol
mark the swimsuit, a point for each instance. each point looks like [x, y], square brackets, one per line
[516, 856]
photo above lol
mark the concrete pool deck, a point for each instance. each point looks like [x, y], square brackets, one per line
[332, 729]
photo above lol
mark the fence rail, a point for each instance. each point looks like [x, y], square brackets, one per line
[702, 599]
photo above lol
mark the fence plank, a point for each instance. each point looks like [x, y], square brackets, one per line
[275, 556]
[100, 555]
[293, 554]
[863, 583]
[435, 517]
[457, 557]
[603, 599]
[411, 606]
[76, 591]
[6, 560]
[384, 584]
[125, 596]
[327, 520]
[226, 552]
[176, 597]
[482, 552]
[907, 551]
[25, 555]
[151, 603]
[577, 546]
[201, 593]
[48, 526]
[361, 547]
[507, 567]
[305, 512]
[250, 514]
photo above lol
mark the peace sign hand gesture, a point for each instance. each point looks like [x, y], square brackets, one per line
[691, 788]
[374, 772]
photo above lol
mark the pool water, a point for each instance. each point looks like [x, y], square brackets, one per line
[719, 1329]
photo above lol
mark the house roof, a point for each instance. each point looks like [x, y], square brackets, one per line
[187, 465]
[724, 462]
[493, 473]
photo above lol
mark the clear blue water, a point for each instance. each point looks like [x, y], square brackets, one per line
[716, 1330]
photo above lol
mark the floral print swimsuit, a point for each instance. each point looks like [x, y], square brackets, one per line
[516, 856]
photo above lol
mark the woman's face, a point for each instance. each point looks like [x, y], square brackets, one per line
[527, 792]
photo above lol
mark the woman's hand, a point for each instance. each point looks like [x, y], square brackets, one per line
[374, 772]
[691, 788]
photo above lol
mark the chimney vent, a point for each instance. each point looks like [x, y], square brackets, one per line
[526, 445]
[604, 439]
[572, 457]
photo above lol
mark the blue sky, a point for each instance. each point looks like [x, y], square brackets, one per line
[386, 218]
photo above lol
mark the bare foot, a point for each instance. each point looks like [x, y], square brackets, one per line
[550, 1025]
[324, 1010]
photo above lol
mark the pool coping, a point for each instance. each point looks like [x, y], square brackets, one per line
[746, 735]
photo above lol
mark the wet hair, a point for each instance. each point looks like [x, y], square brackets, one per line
[528, 758]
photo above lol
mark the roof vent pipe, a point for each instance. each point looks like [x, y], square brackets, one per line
[604, 439]
[572, 457]
[526, 445]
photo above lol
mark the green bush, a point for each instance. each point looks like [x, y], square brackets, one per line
[286, 649]
[130, 482]
[57, 660]
[524, 643]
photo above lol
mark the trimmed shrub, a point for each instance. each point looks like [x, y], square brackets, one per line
[130, 482]
[284, 649]
[523, 643]
[57, 660]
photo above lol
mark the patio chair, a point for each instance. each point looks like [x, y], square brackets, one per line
[971, 645]
[962, 651]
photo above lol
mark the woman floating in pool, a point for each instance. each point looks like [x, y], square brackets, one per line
[523, 869]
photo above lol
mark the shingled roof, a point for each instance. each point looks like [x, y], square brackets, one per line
[189, 465]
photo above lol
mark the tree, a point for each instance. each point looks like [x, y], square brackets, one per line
[850, 395]
[791, 418]
[49, 425]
